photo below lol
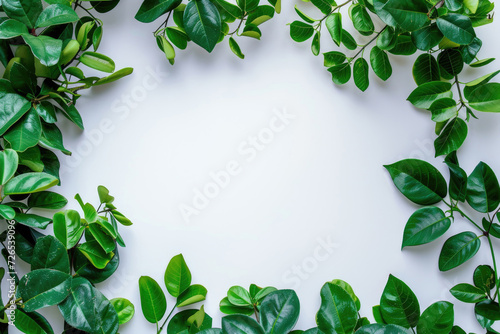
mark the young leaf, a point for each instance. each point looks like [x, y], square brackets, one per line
[239, 296]
[235, 48]
[97, 61]
[177, 276]
[153, 301]
[124, 309]
[194, 294]
[68, 228]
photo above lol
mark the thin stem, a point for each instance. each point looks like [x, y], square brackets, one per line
[334, 9]
[371, 41]
[457, 209]
[88, 12]
[462, 103]
[165, 322]
[497, 282]
[9, 302]
[163, 25]
[239, 25]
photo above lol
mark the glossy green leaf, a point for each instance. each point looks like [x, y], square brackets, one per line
[56, 14]
[348, 41]
[427, 37]
[124, 309]
[8, 165]
[425, 225]
[202, 23]
[361, 20]
[12, 106]
[387, 39]
[6, 212]
[316, 44]
[300, 31]
[32, 323]
[150, 10]
[468, 293]
[451, 62]
[102, 236]
[153, 301]
[398, 304]
[29, 183]
[380, 63]
[483, 190]
[457, 28]
[486, 97]
[84, 268]
[425, 95]
[95, 254]
[333, 58]
[303, 16]
[97, 61]
[325, 6]
[177, 276]
[12, 28]
[227, 307]
[43, 287]
[484, 278]
[239, 296]
[487, 312]
[235, 48]
[437, 319]
[340, 73]
[279, 311]
[47, 200]
[240, 324]
[458, 249]
[360, 74]
[418, 180]
[443, 109]
[194, 294]
[68, 228]
[482, 62]
[452, 137]
[425, 69]
[87, 309]
[409, 15]
[333, 23]
[32, 220]
[338, 312]
[45, 48]
[26, 133]
[25, 11]
[458, 181]
[50, 253]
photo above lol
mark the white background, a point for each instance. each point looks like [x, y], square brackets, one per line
[320, 178]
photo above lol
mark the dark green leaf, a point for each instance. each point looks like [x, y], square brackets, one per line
[338, 312]
[424, 226]
[300, 31]
[50, 253]
[150, 10]
[240, 324]
[427, 37]
[56, 14]
[25, 11]
[483, 190]
[340, 73]
[380, 63]
[424, 95]
[457, 28]
[437, 319]
[26, 133]
[279, 311]
[46, 49]
[452, 137]
[333, 23]
[468, 293]
[458, 249]
[360, 74]
[398, 304]
[202, 23]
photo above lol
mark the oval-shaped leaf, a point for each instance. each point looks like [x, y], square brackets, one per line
[153, 301]
[458, 249]
[29, 183]
[202, 23]
[177, 276]
[424, 226]
[338, 312]
[483, 189]
[279, 311]
[398, 304]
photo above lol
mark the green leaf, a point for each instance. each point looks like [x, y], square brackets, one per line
[178, 37]
[239, 296]
[344, 285]
[56, 14]
[348, 41]
[410, 15]
[46, 111]
[333, 23]
[8, 165]
[26, 133]
[418, 180]
[443, 109]
[43, 287]
[50, 253]
[45, 48]
[300, 31]
[87, 309]
[425, 69]
[486, 97]
[105, 240]
[194, 294]
[279, 311]
[380, 63]
[32, 323]
[52, 138]
[68, 228]
[424, 95]
[361, 20]
[325, 6]
[84, 268]
[484, 278]
[97, 61]
[458, 181]
[25, 11]
[458, 249]
[240, 324]
[457, 28]
[202, 23]
[124, 309]
[437, 319]
[452, 137]
[104, 196]
[95, 254]
[189, 321]
[333, 58]
[468, 293]
[29, 183]
[47, 200]
[153, 301]
[483, 190]
[398, 304]
[425, 225]
[6, 212]
[227, 307]
[235, 48]
[177, 276]
[303, 16]
[260, 15]
[12, 28]
[12, 106]
[32, 220]
[340, 73]
[247, 5]
[150, 10]
[427, 37]
[338, 312]
[451, 62]
[360, 74]
[482, 62]
[115, 76]
[316, 45]
[387, 39]
[404, 46]
[487, 312]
